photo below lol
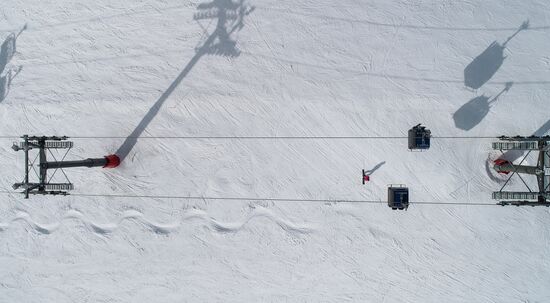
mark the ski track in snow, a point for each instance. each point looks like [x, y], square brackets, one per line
[159, 228]
[305, 68]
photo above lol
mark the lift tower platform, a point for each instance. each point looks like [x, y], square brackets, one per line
[541, 170]
[44, 184]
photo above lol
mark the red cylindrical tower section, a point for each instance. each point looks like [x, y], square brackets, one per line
[112, 161]
[500, 165]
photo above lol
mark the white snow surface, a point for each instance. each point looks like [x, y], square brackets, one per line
[272, 68]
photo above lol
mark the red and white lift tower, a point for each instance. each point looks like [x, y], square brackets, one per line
[541, 170]
[43, 144]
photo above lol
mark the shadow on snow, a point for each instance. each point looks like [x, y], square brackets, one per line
[7, 51]
[375, 168]
[229, 17]
[470, 114]
[484, 66]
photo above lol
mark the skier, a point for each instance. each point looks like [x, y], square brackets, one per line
[366, 177]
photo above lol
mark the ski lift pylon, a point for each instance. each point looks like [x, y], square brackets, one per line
[42, 145]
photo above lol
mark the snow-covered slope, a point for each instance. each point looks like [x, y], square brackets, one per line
[272, 68]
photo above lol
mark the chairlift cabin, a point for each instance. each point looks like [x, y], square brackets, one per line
[419, 137]
[398, 197]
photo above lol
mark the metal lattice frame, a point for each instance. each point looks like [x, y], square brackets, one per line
[44, 185]
[541, 171]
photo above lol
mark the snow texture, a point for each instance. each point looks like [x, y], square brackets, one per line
[267, 68]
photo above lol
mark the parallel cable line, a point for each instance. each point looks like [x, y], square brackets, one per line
[260, 137]
[268, 199]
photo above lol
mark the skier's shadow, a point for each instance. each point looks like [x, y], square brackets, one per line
[470, 114]
[484, 66]
[7, 51]
[375, 168]
[230, 19]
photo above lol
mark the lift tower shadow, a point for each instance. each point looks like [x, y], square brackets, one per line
[228, 14]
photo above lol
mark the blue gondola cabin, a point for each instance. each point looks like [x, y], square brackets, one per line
[398, 197]
[419, 137]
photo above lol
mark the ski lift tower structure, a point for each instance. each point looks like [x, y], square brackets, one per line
[541, 170]
[44, 184]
